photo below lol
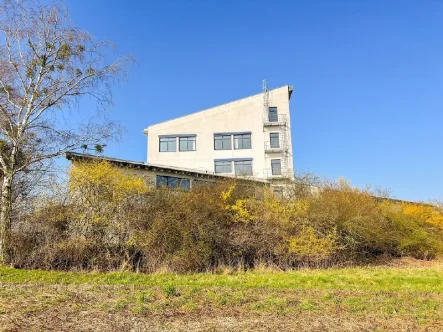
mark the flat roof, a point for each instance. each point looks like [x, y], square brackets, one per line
[155, 167]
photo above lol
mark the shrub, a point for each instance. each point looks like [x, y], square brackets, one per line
[412, 233]
[308, 247]
[110, 220]
[424, 212]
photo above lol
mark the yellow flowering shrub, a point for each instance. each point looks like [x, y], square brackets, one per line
[109, 219]
[239, 208]
[104, 179]
[424, 212]
[310, 247]
[283, 211]
[103, 191]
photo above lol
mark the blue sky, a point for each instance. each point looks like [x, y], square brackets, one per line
[367, 77]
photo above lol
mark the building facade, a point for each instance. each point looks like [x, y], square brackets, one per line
[250, 137]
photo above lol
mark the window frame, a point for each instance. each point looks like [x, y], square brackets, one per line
[167, 140]
[273, 111]
[278, 192]
[277, 134]
[240, 138]
[276, 168]
[225, 163]
[241, 163]
[222, 138]
[172, 182]
[188, 139]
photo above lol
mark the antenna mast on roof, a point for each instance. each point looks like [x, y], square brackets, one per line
[265, 96]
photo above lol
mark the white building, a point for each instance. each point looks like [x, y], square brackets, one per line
[247, 137]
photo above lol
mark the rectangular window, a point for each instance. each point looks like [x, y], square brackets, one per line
[168, 144]
[275, 140]
[222, 142]
[173, 182]
[242, 141]
[187, 143]
[272, 113]
[223, 166]
[161, 181]
[278, 192]
[276, 166]
[243, 167]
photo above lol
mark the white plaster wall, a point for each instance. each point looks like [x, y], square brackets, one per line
[243, 115]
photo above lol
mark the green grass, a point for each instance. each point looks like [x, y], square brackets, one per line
[376, 296]
[371, 278]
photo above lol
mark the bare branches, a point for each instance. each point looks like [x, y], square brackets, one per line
[46, 64]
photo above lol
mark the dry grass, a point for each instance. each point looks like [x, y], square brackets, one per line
[405, 297]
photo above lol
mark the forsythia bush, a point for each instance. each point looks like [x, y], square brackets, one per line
[309, 247]
[109, 219]
[103, 197]
[239, 208]
[425, 213]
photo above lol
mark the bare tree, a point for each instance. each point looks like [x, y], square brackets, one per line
[46, 65]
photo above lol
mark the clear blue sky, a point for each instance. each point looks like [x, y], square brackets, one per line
[367, 77]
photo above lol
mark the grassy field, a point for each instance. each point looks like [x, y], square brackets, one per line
[400, 298]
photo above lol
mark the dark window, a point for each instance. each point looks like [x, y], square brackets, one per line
[272, 113]
[187, 143]
[173, 182]
[278, 192]
[168, 144]
[276, 166]
[223, 166]
[243, 167]
[275, 140]
[161, 181]
[222, 142]
[242, 141]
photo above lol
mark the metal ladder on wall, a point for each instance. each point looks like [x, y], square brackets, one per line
[283, 130]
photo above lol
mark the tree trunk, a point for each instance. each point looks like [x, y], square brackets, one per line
[5, 220]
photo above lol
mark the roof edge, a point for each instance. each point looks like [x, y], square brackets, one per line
[72, 156]
[289, 87]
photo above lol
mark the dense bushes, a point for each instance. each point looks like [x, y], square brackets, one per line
[111, 220]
